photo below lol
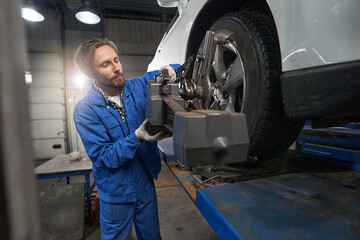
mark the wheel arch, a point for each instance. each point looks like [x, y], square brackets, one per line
[212, 11]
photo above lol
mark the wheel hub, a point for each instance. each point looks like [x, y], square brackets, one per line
[226, 77]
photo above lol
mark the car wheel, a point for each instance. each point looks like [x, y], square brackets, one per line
[245, 77]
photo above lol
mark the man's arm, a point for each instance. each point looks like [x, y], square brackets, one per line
[151, 75]
[101, 150]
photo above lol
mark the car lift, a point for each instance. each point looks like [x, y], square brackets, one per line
[341, 145]
[305, 198]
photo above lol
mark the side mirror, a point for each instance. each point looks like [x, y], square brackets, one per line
[168, 3]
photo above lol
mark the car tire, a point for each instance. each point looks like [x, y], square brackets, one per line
[270, 130]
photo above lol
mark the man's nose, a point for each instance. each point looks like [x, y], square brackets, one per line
[116, 67]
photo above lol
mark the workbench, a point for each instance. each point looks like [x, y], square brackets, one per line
[63, 166]
[304, 198]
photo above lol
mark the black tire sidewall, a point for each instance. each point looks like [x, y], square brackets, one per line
[247, 44]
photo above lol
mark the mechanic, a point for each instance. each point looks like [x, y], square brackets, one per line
[111, 123]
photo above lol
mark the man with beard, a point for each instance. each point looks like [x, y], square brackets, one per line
[111, 123]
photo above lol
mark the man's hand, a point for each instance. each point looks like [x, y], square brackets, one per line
[142, 133]
[172, 74]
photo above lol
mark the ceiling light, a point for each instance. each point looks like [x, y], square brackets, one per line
[30, 13]
[86, 14]
[28, 77]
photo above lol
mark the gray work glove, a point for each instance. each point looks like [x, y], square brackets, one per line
[142, 133]
[172, 74]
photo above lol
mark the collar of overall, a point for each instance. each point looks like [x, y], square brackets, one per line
[118, 108]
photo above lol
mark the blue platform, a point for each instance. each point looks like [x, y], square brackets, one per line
[340, 145]
[314, 200]
[293, 206]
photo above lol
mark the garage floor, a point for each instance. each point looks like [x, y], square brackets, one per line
[178, 215]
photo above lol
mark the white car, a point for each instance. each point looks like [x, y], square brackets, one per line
[281, 62]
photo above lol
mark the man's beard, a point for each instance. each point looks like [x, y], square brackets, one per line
[108, 85]
[113, 82]
[122, 81]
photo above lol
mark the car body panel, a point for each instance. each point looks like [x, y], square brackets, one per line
[311, 33]
[172, 48]
[316, 33]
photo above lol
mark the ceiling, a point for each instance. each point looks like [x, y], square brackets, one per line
[133, 9]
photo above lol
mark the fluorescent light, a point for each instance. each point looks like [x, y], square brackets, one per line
[86, 14]
[87, 17]
[28, 77]
[30, 13]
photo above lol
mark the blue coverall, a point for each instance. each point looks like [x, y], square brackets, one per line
[123, 166]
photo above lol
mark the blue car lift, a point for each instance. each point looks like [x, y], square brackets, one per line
[308, 199]
[340, 145]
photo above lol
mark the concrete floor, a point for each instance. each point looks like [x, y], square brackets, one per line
[179, 217]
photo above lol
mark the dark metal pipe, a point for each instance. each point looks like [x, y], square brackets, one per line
[173, 105]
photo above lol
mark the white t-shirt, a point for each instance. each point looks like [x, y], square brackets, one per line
[116, 99]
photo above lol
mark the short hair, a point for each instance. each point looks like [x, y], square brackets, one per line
[84, 56]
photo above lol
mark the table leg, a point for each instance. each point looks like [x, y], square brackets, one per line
[88, 194]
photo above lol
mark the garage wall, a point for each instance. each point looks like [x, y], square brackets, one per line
[44, 37]
[134, 37]
[46, 92]
[47, 105]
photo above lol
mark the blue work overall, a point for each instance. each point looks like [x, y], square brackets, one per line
[123, 166]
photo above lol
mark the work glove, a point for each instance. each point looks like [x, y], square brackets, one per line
[143, 134]
[172, 74]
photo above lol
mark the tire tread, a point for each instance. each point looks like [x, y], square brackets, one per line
[274, 132]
